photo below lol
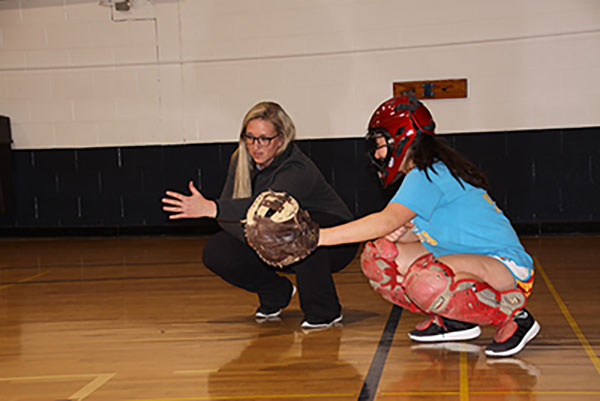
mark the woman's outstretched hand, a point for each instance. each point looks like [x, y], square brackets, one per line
[188, 206]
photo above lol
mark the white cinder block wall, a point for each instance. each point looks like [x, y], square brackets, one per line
[74, 73]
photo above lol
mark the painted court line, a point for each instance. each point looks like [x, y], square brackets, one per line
[25, 279]
[80, 266]
[369, 389]
[98, 380]
[464, 374]
[250, 397]
[92, 386]
[584, 342]
[47, 378]
[382, 395]
[102, 279]
[501, 393]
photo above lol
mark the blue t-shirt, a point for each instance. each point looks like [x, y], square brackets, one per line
[453, 219]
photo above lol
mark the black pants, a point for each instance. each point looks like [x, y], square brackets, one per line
[235, 262]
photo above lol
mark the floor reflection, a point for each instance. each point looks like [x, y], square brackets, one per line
[284, 361]
[446, 369]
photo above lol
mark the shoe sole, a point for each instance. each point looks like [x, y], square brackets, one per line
[306, 325]
[468, 334]
[273, 315]
[530, 335]
[259, 315]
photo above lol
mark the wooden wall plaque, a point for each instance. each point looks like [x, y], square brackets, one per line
[436, 89]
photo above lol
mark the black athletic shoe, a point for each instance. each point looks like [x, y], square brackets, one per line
[323, 324]
[264, 313]
[444, 329]
[527, 329]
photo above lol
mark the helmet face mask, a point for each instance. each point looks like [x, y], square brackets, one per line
[395, 125]
[376, 140]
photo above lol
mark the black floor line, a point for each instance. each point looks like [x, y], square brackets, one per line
[93, 265]
[91, 280]
[369, 388]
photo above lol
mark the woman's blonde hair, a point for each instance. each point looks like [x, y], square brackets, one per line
[268, 111]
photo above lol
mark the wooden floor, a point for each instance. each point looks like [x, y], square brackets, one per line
[118, 319]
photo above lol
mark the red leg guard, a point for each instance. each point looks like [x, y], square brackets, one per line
[378, 264]
[431, 285]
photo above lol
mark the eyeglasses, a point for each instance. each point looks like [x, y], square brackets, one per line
[262, 140]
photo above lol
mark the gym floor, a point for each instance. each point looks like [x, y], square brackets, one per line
[115, 319]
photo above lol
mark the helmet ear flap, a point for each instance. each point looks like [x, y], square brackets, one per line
[401, 145]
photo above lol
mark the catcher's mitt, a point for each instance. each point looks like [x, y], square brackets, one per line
[277, 228]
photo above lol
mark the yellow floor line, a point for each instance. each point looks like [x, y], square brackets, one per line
[584, 342]
[537, 392]
[26, 279]
[464, 376]
[253, 397]
[383, 394]
[418, 393]
[441, 393]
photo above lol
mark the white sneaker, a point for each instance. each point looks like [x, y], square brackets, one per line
[321, 324]
[263, 313]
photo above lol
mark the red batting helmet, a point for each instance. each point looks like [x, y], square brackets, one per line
[399, 121]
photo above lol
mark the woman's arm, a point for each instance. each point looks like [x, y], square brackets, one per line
[369, 227]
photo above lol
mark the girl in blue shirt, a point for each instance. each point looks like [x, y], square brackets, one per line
[444, 248]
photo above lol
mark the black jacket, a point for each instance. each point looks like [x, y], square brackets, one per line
[292, 172]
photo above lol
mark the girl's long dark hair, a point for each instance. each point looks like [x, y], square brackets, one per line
[428, 149]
